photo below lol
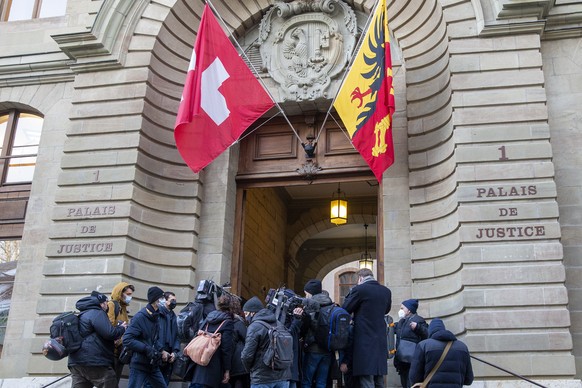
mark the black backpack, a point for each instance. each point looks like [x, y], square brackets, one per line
[279, 351]
[333, 326]
[65, 329]
[188, 321]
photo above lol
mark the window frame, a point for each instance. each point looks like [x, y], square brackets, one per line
[6, 4]
[6, 151]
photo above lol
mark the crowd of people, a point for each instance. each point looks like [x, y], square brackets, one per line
[150, 342]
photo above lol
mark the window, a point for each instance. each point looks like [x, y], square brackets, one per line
[9, 251]
[19, 140]
[347, 280]
[13, 10]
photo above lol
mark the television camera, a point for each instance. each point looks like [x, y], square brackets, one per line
[283, 301]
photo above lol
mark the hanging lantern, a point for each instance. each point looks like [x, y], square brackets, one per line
[366, 259]
[338, 207]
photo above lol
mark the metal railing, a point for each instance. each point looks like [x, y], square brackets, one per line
[508, 371]
[56, 381]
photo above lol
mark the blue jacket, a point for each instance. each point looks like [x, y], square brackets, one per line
[168, 338]
[456, 369]
[141, 337]
[99, 335]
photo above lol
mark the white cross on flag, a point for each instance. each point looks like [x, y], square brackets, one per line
[221, 97]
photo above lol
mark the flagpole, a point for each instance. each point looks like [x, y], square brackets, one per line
[253, 69]
[346, 70]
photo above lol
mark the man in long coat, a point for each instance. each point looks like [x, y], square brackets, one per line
[369, 301]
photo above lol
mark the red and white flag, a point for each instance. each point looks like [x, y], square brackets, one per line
[221, 97]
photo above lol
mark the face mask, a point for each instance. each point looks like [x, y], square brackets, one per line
[401, 314]
[127, 299]
[161, 301]
[172, 305]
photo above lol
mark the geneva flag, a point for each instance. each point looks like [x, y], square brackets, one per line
[365, 102]
[221, 97]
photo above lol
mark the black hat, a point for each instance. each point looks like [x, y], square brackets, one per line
[253, 305]
[411, 304]
[154, 293]
[313, 287]
[100, 297]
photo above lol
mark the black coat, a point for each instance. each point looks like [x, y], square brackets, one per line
[99, 336]
[404, 331]
[369, 302]
[456, 369]
[211, 374]
[141, 337]
[255, 345]
[238, 337]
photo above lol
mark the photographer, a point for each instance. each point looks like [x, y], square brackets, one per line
[141, 337]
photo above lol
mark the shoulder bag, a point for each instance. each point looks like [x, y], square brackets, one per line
[424, 384]
[405, 351]
[202, 347]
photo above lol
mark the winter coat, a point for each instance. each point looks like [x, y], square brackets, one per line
[168, 337]
[117, 296]
[255, 345]
[323, 300]
[238, 337]
[405, 332]
[456, 369]
[295, 325]
[141, 337]
[369, 302]
[98, 335]
[211, 375]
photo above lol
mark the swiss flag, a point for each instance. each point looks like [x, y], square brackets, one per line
[221, 97]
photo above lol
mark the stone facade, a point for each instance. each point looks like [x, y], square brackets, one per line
[481, 213]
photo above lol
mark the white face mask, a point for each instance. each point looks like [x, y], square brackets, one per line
[127, 299]
[161, 302]
[401, 314]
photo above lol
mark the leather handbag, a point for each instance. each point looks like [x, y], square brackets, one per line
[204, 345]
[424, 384]
[405, 351]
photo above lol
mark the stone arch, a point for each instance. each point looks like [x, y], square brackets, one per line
[421, 30]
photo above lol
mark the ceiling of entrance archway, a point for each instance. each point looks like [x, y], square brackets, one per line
[354, 190]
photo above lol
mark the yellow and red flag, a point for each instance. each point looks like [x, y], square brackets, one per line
[365, 101]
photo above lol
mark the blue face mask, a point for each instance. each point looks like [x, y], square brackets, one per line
[127, 299]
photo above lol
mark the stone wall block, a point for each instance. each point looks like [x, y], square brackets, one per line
[526, 319]
[537, 273]
[433, 210]
[478, 134]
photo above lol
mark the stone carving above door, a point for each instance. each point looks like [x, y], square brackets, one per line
[305, 45]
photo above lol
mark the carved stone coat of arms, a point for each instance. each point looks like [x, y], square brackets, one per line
[305, 44]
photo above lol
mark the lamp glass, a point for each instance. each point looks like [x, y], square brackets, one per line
[366, 262]
[339, 211]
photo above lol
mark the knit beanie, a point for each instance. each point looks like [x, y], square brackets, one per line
[313, 287]
[411, 304]
[435, 325]
[154, 293]
[253, 305]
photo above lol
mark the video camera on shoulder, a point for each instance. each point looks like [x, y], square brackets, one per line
[209, 291]
[283, 301]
